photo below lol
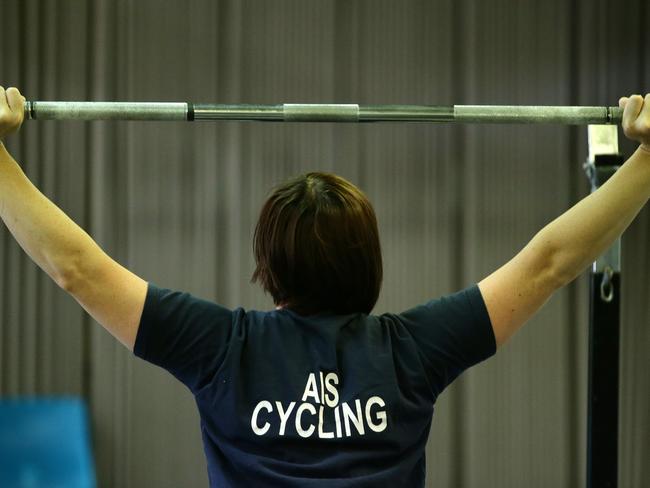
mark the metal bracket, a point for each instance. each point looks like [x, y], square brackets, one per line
[602, 163]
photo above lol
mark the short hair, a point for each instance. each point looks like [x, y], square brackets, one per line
[316, 246]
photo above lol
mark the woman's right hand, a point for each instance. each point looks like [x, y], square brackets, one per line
[636, 119]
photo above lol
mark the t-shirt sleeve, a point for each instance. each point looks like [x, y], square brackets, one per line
[183, 334]
[451, 334]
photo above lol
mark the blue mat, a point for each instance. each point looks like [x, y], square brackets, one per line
[45, 443]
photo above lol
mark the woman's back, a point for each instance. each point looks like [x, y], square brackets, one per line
[323, 400]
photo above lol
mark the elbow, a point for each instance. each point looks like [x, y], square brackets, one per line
[561, 269]
[554, 266]
[70, 276]
[68, 280]
[75, 273]
[559, 277]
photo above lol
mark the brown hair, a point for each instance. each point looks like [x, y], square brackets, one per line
[316, 246]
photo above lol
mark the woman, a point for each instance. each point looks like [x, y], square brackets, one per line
[318, 392]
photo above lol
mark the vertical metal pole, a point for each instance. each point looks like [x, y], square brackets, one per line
[604, 325]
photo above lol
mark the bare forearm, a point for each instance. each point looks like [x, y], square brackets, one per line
[50, 237]
[579, 236]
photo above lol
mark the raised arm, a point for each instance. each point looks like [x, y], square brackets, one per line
[110, 293]
[566, 246]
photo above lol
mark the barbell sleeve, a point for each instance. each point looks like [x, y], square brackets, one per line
[294, 112]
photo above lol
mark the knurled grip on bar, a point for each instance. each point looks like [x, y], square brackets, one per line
[106, 110]
[522, 114]
[294, 112]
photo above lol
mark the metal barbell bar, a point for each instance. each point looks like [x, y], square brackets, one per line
[295, 112]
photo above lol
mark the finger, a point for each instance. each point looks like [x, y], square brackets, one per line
[632, 109]
[646, 105]
[642, 122]
[3, 99]
[622, 102]
[15, 100]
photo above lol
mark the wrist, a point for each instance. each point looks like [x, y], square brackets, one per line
[645, 148]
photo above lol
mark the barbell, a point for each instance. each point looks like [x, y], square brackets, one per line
[301, 112]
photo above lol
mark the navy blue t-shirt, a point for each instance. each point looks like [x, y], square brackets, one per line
[325, 400]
